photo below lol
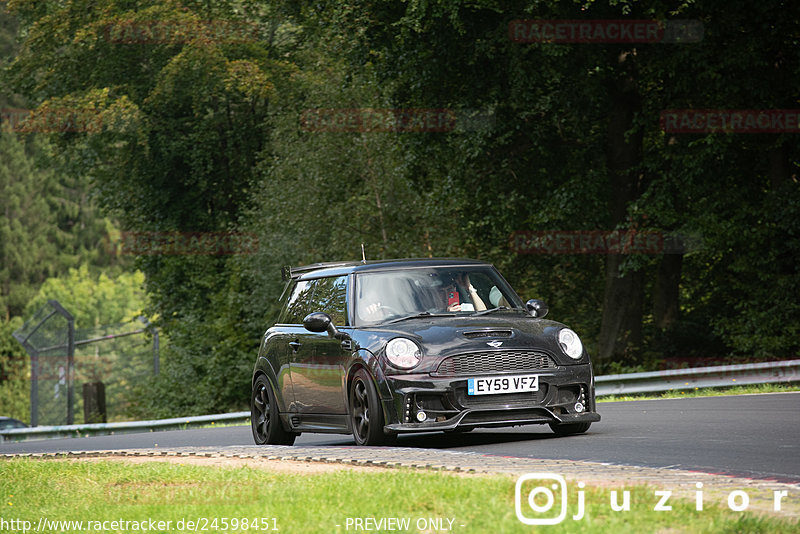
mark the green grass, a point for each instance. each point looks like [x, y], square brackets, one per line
[704, 392]
[114, 491]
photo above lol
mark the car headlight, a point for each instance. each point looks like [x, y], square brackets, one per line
[403, 353]
[570, 343]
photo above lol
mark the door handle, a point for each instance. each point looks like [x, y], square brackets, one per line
[295, 345]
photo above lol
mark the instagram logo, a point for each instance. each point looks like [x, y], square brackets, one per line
[539, 502]
[541, 499]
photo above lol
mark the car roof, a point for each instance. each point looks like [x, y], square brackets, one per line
[319, 270]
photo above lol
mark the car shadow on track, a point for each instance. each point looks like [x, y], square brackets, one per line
[454, 440]
[450, 440]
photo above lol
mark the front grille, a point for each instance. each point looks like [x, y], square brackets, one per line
[474, 334]
[530, 398]
[491, 362]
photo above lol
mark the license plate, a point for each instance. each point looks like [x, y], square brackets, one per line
[502, 384]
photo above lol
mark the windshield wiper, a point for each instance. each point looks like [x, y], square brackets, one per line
[490, 310]
[417, 316]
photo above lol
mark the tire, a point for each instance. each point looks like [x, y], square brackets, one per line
[569, 429]
[366, 413]
[264, 418]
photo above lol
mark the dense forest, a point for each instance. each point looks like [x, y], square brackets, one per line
[418, 128]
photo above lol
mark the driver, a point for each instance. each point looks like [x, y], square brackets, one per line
[461, 295]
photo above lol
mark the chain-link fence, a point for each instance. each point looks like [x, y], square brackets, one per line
[85, 375]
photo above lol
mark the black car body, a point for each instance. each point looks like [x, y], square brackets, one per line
[384, 348]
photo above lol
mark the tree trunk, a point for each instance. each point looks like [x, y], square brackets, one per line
[666, 306]
[780, 171]
[621, 326]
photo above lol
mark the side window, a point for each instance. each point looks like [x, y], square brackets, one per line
[330, 296]
[484, 286]
[298, 305]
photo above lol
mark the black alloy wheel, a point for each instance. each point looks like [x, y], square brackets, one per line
[264, 419]
[366, 414]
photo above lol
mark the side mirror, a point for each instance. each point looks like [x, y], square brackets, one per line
[322, 322]
[537, 308]
[317, 322]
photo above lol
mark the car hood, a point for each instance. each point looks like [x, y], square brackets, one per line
[440, 337]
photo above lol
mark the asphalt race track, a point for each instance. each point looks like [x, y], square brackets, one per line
[753, 436]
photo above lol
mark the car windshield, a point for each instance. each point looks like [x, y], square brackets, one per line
[390, 295]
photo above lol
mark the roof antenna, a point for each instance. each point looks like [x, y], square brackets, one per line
[363, 254]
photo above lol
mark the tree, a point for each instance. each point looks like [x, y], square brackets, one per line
[178, 122]
[578, 145]
[204, 135]
[8, 49]
[94, 300]
[14, 373]
[29, 236]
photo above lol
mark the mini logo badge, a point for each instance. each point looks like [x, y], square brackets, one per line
[495, 344]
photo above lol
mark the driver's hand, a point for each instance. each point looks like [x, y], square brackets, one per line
[373, 308]
[454, 308]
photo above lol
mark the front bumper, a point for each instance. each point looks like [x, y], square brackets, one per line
[566, 395]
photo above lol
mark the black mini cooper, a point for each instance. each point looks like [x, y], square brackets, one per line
[382, 348]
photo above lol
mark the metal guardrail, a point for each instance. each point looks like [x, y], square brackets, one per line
[699, 377]
[655, 381]
[104, 429]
